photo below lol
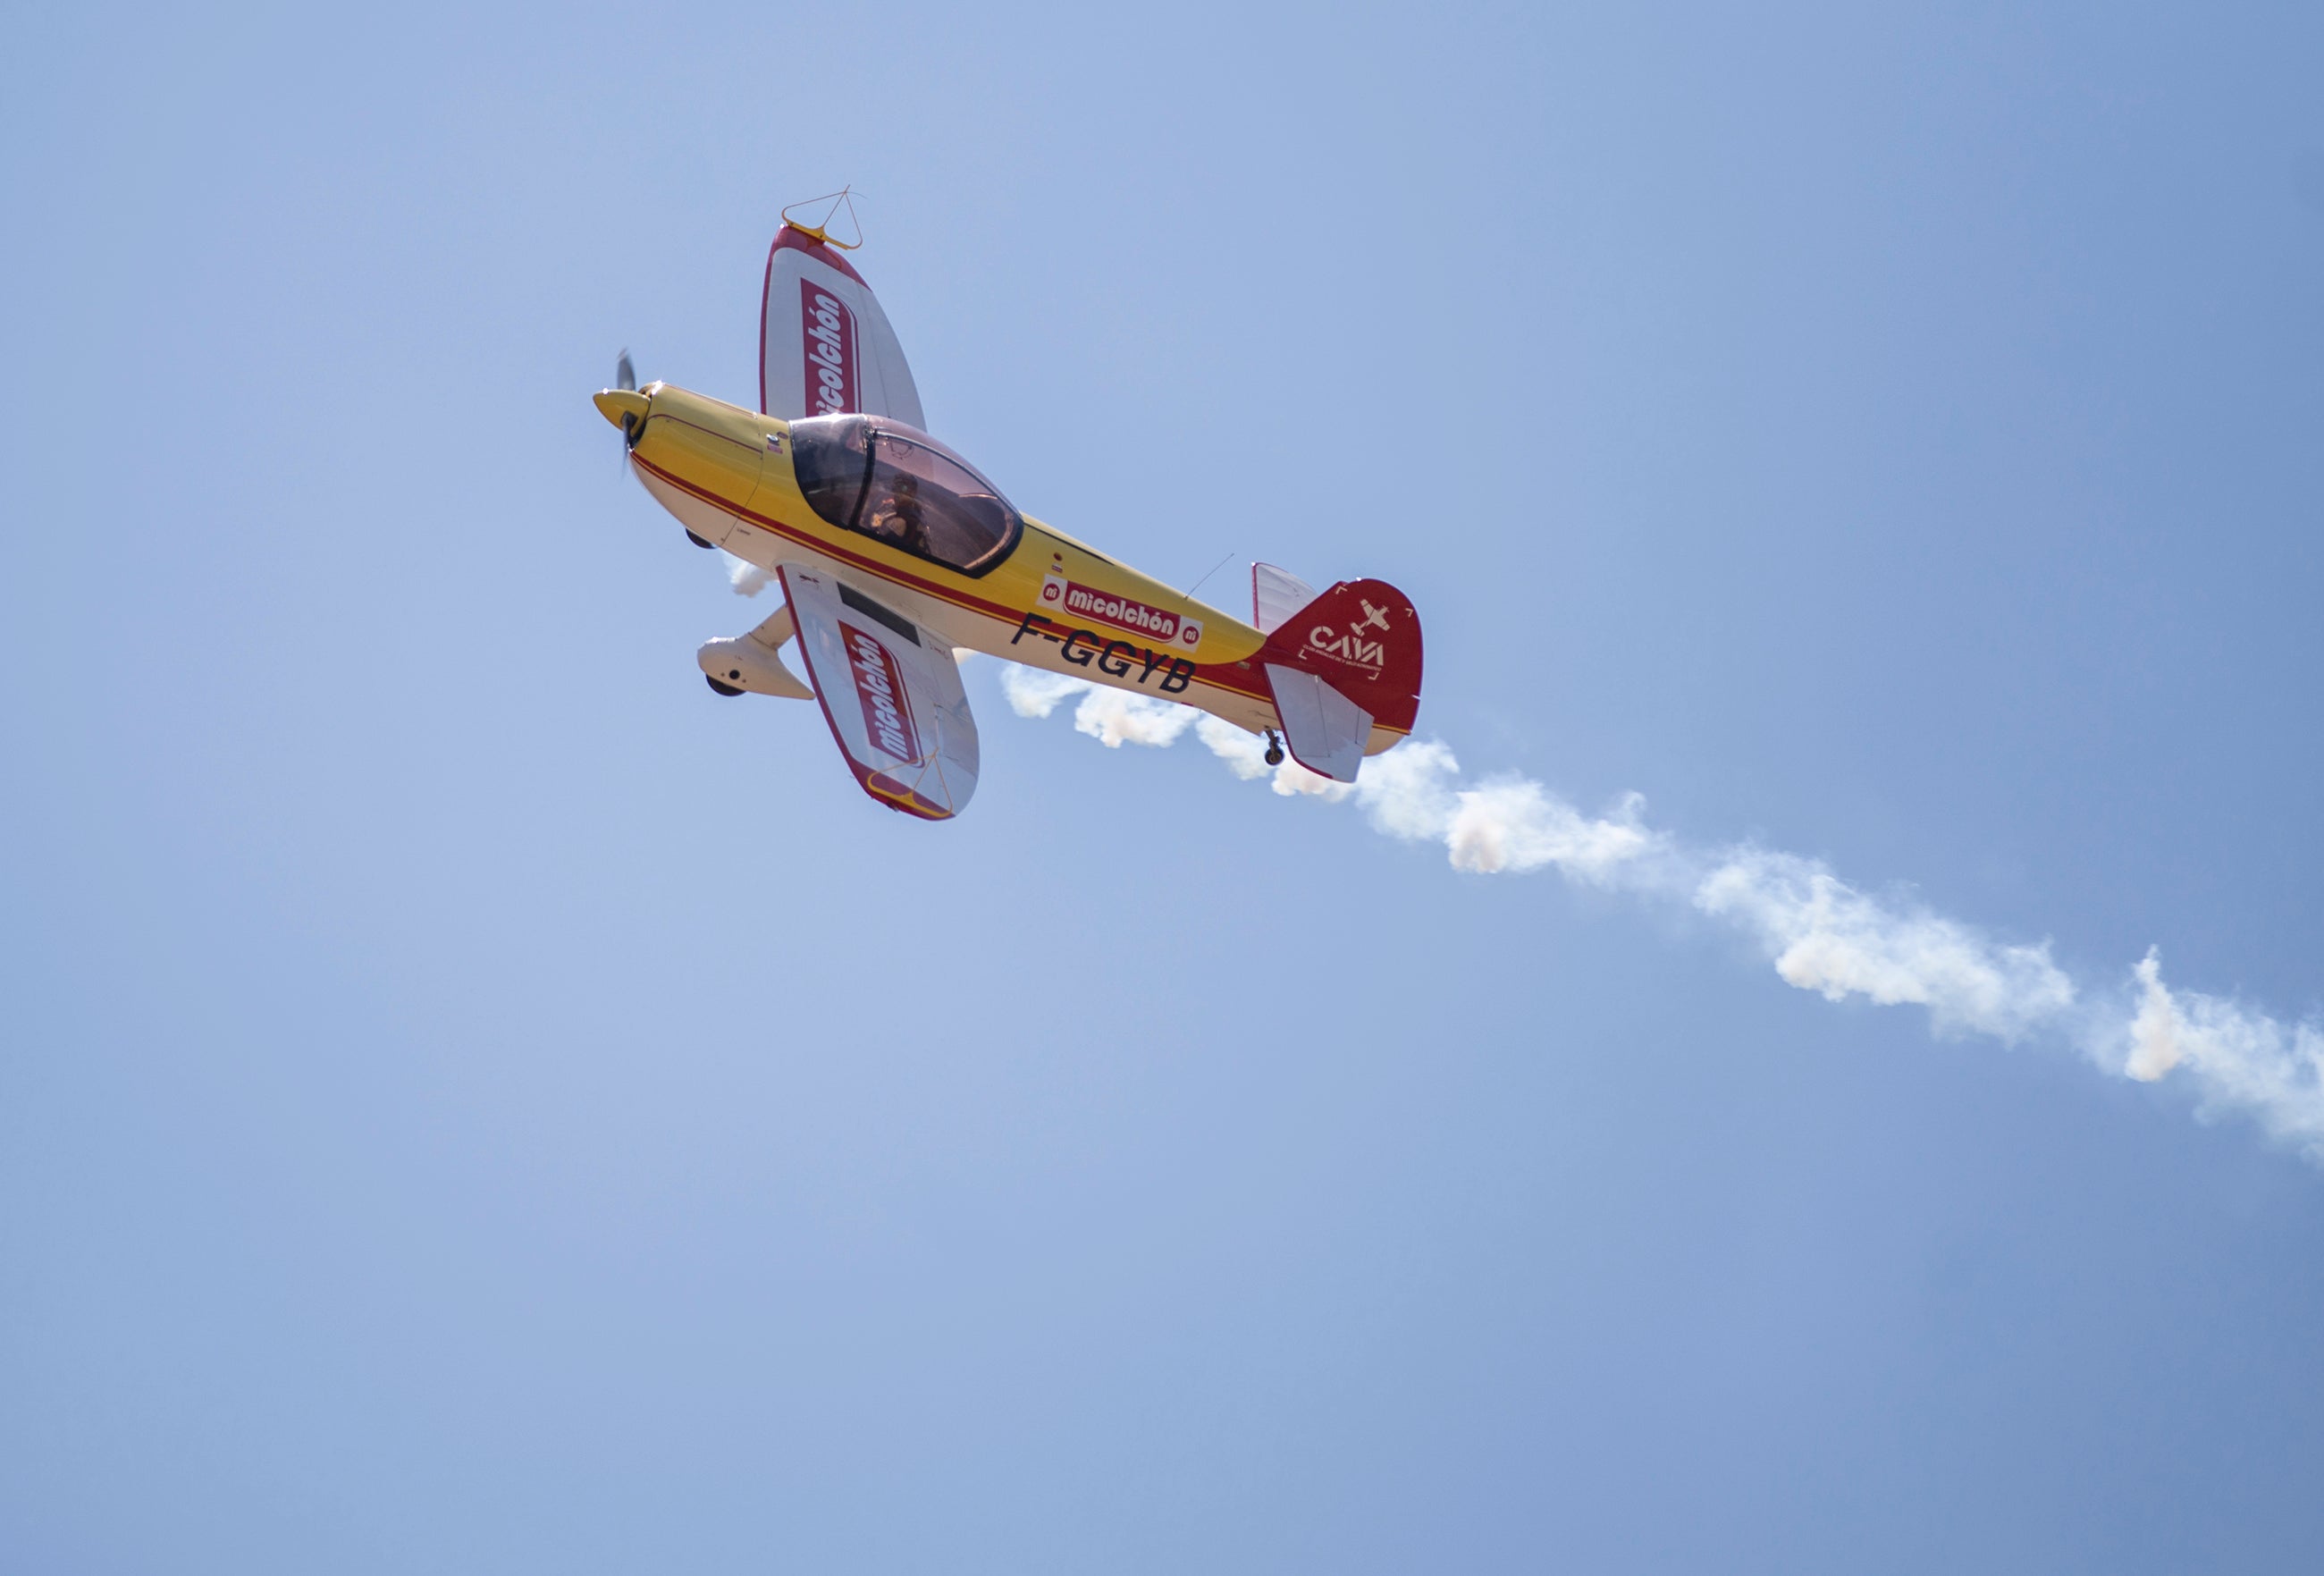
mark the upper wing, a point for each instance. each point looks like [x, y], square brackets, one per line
[824, 344]
[891, 693]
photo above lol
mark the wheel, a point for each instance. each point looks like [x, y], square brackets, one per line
[721, 688]
[697, 541]
[1273, 755]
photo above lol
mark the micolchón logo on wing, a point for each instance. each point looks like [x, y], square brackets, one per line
[828, 333]
[886, 712]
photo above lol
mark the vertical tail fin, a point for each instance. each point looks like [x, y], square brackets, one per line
[1361, 638]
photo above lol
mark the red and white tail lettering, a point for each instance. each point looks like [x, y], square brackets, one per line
[1362, 639]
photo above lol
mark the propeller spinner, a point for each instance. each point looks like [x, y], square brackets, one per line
[625, 406]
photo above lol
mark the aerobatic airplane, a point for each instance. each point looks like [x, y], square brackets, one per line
[892, 551]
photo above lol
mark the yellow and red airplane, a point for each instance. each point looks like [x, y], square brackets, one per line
[892, 551]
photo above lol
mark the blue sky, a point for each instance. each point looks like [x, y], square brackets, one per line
[473, 1100]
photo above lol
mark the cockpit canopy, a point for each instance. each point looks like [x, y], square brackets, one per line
[896, 484]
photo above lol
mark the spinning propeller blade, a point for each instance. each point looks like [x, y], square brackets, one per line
[625, 379]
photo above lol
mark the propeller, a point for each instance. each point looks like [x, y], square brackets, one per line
[625, 378]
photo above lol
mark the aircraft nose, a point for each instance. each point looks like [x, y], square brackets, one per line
[624, 408]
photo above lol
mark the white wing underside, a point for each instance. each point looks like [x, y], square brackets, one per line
[825, 345]
[892, 694]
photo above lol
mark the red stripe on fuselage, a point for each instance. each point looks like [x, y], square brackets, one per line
[1216, 675]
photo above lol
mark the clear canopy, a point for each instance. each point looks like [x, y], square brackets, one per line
[896, 484]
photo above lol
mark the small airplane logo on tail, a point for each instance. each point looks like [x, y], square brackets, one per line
[1372, 615]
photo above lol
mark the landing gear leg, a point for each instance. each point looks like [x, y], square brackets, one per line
[1274, 748]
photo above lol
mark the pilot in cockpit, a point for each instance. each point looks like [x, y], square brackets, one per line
[894, 516]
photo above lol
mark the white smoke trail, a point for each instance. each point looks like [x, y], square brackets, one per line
[1819, 933]
[1828, 937]
[1111, 716]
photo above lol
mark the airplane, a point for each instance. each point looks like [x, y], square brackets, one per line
[894, 553]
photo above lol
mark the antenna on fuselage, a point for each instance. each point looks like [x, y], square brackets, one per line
[843, 197]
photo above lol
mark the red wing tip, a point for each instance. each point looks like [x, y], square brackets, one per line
[791, 239]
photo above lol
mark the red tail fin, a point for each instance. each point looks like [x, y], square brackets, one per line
[1362, 638]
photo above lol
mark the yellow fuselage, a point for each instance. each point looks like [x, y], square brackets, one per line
[1053, 603]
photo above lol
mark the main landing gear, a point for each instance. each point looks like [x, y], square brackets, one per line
[1274, 748]
[697, 541]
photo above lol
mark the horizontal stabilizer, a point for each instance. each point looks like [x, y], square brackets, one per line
[1326, 730]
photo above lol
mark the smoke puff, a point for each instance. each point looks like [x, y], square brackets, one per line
[1828, 937]
[746, 578]
[2154, 1029]
[1111, 716]
[1511, 824]
[1245, 754]
[1035, 694]
[2240, 1060]
[1411, 792]
[1114, 719]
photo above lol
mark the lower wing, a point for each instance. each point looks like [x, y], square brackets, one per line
[891, 693]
